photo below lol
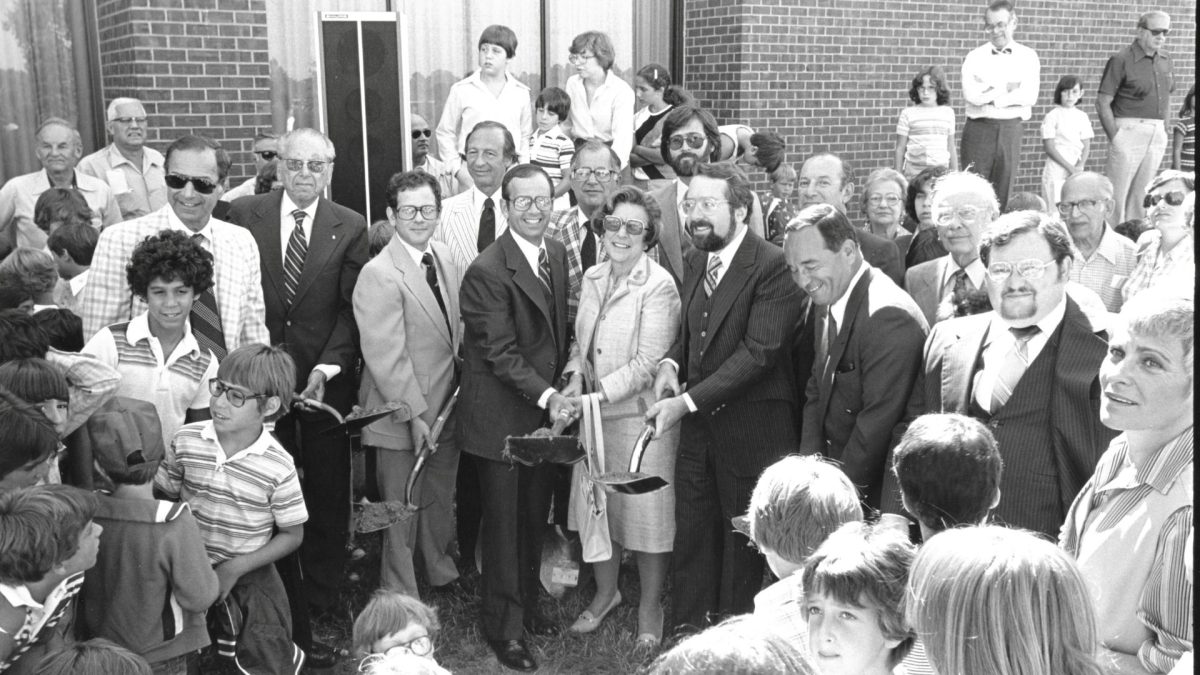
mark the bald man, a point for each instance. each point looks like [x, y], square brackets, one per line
[423, 161]
[132, 171]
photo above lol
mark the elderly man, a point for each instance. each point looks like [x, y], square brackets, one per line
[1028, 370]
[1000, 83]
[1106, 259]
[58, 149]
[266, 150]
[423, 161]
[1133, 103]
[224, 318]
[133, 171]
[869, 351]
[473, 219]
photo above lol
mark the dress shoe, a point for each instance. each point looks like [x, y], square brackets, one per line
[588, 622]
[320, 656]
[513, 654]
[651, 632]
[539, 626]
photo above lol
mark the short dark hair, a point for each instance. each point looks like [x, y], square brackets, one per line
[194, 143]
[412, 180]
[523, 171]
[378, 236]
[938, 77]
[510, 146]
[20, 336]
[77, 239]
[658, 77]
[1065, 83]
[12, 293]
[922, 182]
[834, 226]
[64, 328]
[948, 467]
[1010, 225]
[681, 115]
[501, 36]
[770, 147]
[737, 187]
[594, 145]
[634, 197]
[29, 436]
[34, 379]
[61, 205]
[600, 44]
[556, 101]
[169, 255]
[40, 528]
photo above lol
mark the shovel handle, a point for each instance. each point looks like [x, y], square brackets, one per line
[412, 478]
[559, 425]
[639, 448]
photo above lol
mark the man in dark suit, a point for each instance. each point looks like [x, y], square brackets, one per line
[869, 351]
[1028, 369]
[514, 310]
[738, 408]
[311, 252]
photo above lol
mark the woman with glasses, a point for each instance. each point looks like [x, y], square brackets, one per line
[883, 206]
[1165, 253]
[628, 317]
[601, 102]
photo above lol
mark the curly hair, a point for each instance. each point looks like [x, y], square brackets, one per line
[169, 255]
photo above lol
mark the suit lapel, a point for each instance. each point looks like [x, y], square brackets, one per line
[523, 275]
[321, 244]
[731, 284]
[267, 215]
[858, 295]
[413, 278]
[958, 365]
[558, 277]
[670, 239]
[450, 283]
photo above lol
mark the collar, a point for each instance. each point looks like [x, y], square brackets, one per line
[1006, 50]
[139, 329]
[638, 276]
[477, 199]
[726, 254]
[412, 250]
[287, 207]
[1048, 324]
[477, 80]
[19, 596]
[177, 224]
[976, 272]
[1108, 248]
[78, 281]
[1160, 473]
[45, 174]
[1139, 53]
[680, 192]
[260, 446]
[838, 309]
[115, 158]
[530, 251]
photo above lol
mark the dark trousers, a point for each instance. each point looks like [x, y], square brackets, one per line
[516, 501]
[467, 511]
[992, 149]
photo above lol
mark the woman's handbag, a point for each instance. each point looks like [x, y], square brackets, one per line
[591, 500]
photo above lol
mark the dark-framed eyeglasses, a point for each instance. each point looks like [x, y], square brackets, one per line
[419, 646]
[1173, 198]
[428, 212]
[633, 226]
[601, 175]
[202, 185]
[267, 155]
[1031, 269]
[235, 397]
[694, 141]
[130, 120]
[418, 133]
[523, 203]
[314, 165]
[1065, 208]
[579, 58]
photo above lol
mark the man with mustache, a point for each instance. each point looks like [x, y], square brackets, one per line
[729, 379]
[133, 171]
[423, 161]
[690, 137]
[1028, 369]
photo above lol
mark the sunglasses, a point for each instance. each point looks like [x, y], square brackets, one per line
[633, 226]
[418, 133]
[202, 185]
[694, 141]
[267, 155]
[1156, 32]
[314, 165]
[1173, 198]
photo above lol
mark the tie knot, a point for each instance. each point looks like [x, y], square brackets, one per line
[427, 259]
[299, 215]
[542, 256]
[1024, 334]
[488, 203]
[198, 238]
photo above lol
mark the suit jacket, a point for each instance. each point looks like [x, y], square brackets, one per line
[952, 354]
[318, 327]
[923, 283]
[514, 346]
[854, 402]
[409, 351]
[458, 226]
[673, 241]
[883, 254]
[746, 346]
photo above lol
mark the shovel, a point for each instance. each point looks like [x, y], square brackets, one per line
[634, 482]
[350, 423]
[544, 445]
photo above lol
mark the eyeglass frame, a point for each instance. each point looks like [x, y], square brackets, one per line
[409, 212]
[263, 153]
[1027, 273]
[315, 166]
[130, 120]
[200, 184]
[576, 59]
[876, 200]
[676, 142]
[1066, 208]
[1150, 201]
[706, 204]
[953, 214]
[218, 388]
[584, 173]
[614, 224]
[542, 203]
[418, 133]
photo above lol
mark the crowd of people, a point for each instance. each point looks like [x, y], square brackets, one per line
[915, 424]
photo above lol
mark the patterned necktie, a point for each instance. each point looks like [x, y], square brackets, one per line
[544, 270]
[487, 225]
[948, 308]
[206, 318]
[710, 278]
[1015, 363]
[293, 261]
[432, 280]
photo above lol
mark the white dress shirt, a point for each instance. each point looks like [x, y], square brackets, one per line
[985, 78]
[609, 116]
[471, 102]
[1000, 341]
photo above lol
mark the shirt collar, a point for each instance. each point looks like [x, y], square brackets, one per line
[529, 250]
[1048, 324]
[19, 596]
[976, 272]
[838, 309]
[1109, 248]
[680, 191]
[726, 254]
[177, 224]
[260, 446]
[412, 250]
[78, 281]
[1139, 53]
[1164, 467]
[287, 207]
[477, 199]
[139, 329]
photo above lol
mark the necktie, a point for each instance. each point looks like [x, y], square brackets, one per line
[487, 225]
[587, 250]
[947, 309]
[206, 318]
[544, 270]
[432, 280]
[1015, 363]
[820, 318]
[293, 259]
[710, 278]
[830, 335]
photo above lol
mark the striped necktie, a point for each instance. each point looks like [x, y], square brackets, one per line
[293, 260]
[206, 318]
[1015, 363]
[710, 278]
[544, 270]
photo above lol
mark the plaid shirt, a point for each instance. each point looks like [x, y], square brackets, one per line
[1154, 267]
[1108, 269]
[91, 383]
[237, 277]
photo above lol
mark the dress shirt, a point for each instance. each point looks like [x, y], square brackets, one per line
[530, 251]
[441, 171]
[726, 256]
[985, 78]
[244, 190]
[1139, 83]
[20, 194]
[1000, 341]
[138, 190]
[976, 273]
[681, 189]
[609, 116]
[471, 102]
[287, 224]
[1108, 270]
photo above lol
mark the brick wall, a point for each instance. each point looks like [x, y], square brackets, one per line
[834, 74]
[198, 66]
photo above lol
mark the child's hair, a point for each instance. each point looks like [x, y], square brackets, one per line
[922, 182]
[77, 239]
[263, 369]
[783, 172]
[34, 380]
[556, 101]
[938, 77]
[742, 645]
[1025, 201]
[501, 36]
[866, 566]
[769, 148]
[389, 612]
[13, 294]
[20, 336]
[32, 268]
[93, 657]
[39, 529]
[1021, 599]
[63, 328]
[170, 256]
[1189, 103]
[1066, 83]
[29, 437]
[65, 206]
[797, 502]
[378, 236]
[948, 467]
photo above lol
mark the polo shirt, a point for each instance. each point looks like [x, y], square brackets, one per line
[138, 190]
[1140, 84]
[39, 616]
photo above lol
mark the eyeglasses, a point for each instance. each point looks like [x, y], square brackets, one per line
[998, 26]
[236, 398]
[523, 203]
[576, 59]
[1156, 32]
[1065, 208]
[1173, 198]
[707, 204]
[267, 155]
[601, 175]
[418, 133]
[890, 200]
[1029, 269]
[633, 227]
[967, 215]
[421, 646]
[202, 185]
[428, 212]
[694, 141]
[314, 165]
[129, 120]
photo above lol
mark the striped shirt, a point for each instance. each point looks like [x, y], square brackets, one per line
[39, 616]
[929, 130]
[1128, 530]
[553, 152]
[174, 383]
[1108, 270]
[237, 501]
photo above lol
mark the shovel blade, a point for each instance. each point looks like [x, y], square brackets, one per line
[375, 516]
[632, 484]
[533, 450]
